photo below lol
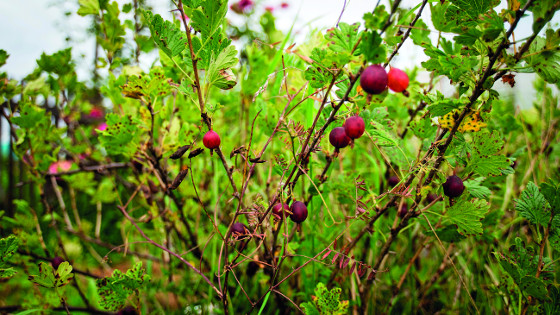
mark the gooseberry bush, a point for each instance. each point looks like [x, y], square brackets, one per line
[246, 173]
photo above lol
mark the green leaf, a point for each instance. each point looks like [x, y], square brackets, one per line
[381, 135]
[209, 17]
[153, 85]
[88, 7]
[167, 36]
[475, 188]
[326, 301]
[467, 215]
[46, 276]
[371, 47]
[317, 77]
[544, 56]
[218, 74]
[438, 105]
[377, 19]
[122, 135]
[533, 286]
[420, 34]
[533, 206]
[551, 192]
[30, 116]
[543, 11]
[484, 158]
[474, 8]
[552, 307]
[3, 57]
[8, 247]
[423, 128]
[343, 38]
[115, 290]
[59, 63]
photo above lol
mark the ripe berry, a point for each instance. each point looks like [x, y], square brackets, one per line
[56, 262]
[453, 186]
[397, 80]
[299, 212]
[338, 138]
[403, 210]
[280, 209]
[374, 79]
[239, 228]
[354, 127]
[431, 197]
[393, 181]
[211, 140]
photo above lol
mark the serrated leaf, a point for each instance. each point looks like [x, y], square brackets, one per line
[534, 287]
[343, 38]
[88, 7]
[376, 20]
[476, 189]
[46, 277]
[115, 290]
[8, 247]
[122, 135]
[317, 77]
[423, 128]
[371, 47]
[467, 215]
[551, 192]
[150, 85]
[533, 206]
[167, 36]
[484, 158]
[545, 60]
[7, 272]
[209, 17]
[219, 67]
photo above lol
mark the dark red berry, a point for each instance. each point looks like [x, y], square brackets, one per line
[299, 212]
[431, 197]
[211, 140]
[354, 127]
[129, 310]
[397, 80]
[278, 211]
[338, 138]
[239, 228]
[374, 79]
[403, 210]
[56, 262]
[393, 181]
[453, 186]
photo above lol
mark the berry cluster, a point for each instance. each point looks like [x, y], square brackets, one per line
[375, 80]
[353, 128]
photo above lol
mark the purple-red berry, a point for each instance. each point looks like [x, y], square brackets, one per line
[374, 79]
[354, 127]
[279, 210]
[239, 228]
[453, 186]
[393, 181]
[403, 210]
[338, 138]
[397, 80]
[431, 197]
[211, 140]
[299, 212]
[56, 262]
